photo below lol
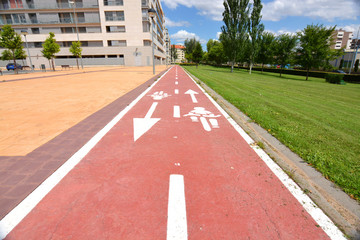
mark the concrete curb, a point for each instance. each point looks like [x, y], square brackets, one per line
[342, 210]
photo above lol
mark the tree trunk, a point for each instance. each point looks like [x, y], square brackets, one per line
[281, 70]
[307, 74]
[53, 65]
[232, 66]
[16, 71]
[262, 68]
[251, 65]
[77, 63]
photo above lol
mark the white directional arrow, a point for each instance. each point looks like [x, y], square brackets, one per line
[142, 125]
[192, 94]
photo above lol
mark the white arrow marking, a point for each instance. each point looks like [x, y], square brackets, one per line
[142, 125]
[177, 223]
[192, 94]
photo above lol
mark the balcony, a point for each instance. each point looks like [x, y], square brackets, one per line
[50, 5]
[37, 22]
[144, 3]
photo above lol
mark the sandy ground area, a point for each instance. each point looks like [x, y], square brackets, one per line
[40, 106]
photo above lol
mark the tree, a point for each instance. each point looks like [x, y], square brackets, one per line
[314, 48]
[216, 53]
[173, 53]
[341, 64]
[197, 54]
[255, 31]
[234, 32]
[356, 67]
[11, 41]
[50, 47]
[284, 49]
[267, 49]
[189, 48]
[76, 50]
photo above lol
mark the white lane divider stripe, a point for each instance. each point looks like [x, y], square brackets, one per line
[176, 91]
[176, 83]
[177, 223]
[176, 111]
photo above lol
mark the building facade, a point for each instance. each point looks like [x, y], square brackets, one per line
[180, 51]
[112, 32]
[342, 39]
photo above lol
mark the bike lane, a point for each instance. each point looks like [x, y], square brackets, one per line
[173, 140]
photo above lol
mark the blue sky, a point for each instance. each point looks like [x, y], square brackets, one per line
[202, 19]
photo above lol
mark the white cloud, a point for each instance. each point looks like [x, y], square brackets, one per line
[324, 9]
[283, 31]
[182, 35]
[212, 9]
[350, 28]
[275, 10]
[218, 35]
[170, 23]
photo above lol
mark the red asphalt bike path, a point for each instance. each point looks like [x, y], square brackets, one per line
[120, 189]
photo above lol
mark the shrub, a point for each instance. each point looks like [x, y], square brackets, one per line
[334, 78]
[356, 65]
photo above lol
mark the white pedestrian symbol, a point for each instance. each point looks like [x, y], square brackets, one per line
[159, 95]
[201, 113]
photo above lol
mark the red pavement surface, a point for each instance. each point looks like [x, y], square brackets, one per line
[120, 189]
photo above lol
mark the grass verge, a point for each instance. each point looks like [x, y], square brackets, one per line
[317, 120]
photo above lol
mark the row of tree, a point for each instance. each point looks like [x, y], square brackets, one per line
[11, 41]
[243, 40]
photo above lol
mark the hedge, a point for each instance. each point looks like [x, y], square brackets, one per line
[334, 78]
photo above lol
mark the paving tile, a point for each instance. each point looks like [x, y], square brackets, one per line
[6, 204]
[39, 176]
[21, 191]
[14, 179]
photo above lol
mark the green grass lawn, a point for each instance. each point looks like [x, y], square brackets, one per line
[317, 120]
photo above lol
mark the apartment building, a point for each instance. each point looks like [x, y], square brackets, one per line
[112, 32]
[180, 51]
[342, 39]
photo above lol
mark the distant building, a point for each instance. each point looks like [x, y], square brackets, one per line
[342, 39]
[180, 50]
[112, 32]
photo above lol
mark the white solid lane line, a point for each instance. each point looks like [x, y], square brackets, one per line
[177, 223]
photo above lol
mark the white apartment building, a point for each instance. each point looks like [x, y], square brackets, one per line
[112, 32]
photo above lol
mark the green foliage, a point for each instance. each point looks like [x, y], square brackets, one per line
[314, 48]
[284, 49]
[173, 53]
[189, 48]
[267, 48]
[341, 64]
[255, 31]
[197, 54]
[76, 50]
[11, 41]
[234, 31]
[314, 119]
[334, 78]
[216, 52]
[356, 67]
[50, 47]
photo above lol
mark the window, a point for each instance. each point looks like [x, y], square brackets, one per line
[35, 30]
[38, 44]
[117, 43]
[115, 29]
[147, 43]
[146, 27]
[115, 16]
[112, 56]
[113, 2]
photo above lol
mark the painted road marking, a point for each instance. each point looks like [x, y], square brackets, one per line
[142, 125]
[159, 95]
[13, 218]
[176, 111]
[176, 224]
[315, 212]
[192, 94]
[205, 124]
[202, 113]
[176, 83]
[176, 91]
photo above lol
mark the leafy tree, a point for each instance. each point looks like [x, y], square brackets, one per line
[76, 50]
[234, 31]
[197, 54]
[267, 49]
[216, 53]
[50, 47]
[284, 49]
[210, 44]
[189, 48]
[11, 41]
[255, 31]
[314, 49]
[173, 53]
[341, 64]
[356, 67]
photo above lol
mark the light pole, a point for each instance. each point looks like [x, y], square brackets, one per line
[72, 2]
[152, 14]
[24, 33]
